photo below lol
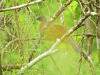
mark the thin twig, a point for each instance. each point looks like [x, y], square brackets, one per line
[86, 34]
[62, 14]
[58, 42]
[57, 13]
[21, 6]
[80, 60]
[0, 66]
[8, 44]
[48, 23]
[89, 46]
[1, 3]
[98, 32]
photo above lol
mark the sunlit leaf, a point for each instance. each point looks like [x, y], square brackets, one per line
[73, 6]
[21, 18]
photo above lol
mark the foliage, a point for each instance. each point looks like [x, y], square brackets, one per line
[22, 25]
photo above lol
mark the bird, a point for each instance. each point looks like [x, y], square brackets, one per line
[55, 31]
[43, 21]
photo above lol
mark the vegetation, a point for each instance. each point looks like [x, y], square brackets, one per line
[67, 44]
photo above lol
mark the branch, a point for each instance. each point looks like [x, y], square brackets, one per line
[62, 14]
[86, 34]
[51, 51]
[34, 47]
[57, 14]
[9, 32]
[23, 39]
[97, 6]
[49, 22]
[98, 32]
[1, 3]
[80, 60]
[10, 67]
[75, 27]
[21, 6]
[95, 14]
[89, 46]
[0, 65]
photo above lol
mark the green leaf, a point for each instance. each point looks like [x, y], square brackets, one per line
[21, 18]
[73, 6]
[7, 12]
[8, 4]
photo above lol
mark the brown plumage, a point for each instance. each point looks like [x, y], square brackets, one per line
[53, 31]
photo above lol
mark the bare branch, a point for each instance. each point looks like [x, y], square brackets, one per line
[21, 6]
[23, 39]
[57, 13]
[58, 42]
[89, 45]
[50, 51]
[98, 32]
[0, 65]
[86, 34]
[49, 22]
[80, 60]
[1, 2]
[9, 67]
[34, 47]
[75, 27]
[62, 14]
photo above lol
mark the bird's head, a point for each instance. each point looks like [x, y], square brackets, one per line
[41, 18]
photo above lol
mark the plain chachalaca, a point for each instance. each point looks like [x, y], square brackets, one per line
[55, 31]
[52, 33]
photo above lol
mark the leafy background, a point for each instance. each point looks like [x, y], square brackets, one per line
[66, 60]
